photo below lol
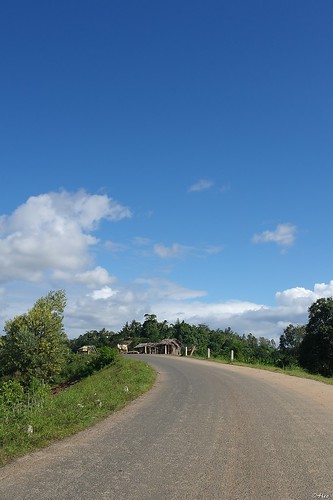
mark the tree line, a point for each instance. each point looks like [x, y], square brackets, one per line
[35, 344]
[307, 346]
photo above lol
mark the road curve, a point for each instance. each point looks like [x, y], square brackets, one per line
[206, 431]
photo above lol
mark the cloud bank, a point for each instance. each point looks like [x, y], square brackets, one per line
[51, 241]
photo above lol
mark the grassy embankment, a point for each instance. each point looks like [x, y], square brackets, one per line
[292, 371]
[54, 417]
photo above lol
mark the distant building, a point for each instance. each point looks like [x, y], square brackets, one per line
[87, 349]
[165, 346]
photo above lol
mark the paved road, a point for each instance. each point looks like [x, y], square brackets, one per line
[205, 431]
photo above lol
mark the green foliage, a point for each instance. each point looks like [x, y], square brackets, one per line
[79, 366]
[55, 416]
[12, 399]
[105, 356]
[184, 332]
[35, 342]
[102, 338]
[150, 328]
[18, 407]
[132, 330]
[316, 350]
[289, 346]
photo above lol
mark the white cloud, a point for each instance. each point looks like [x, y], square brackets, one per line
[176, 250]
[171, 301]
[104, 293]
[302, 298]
[91, 278]
[96, 277]
[47, 241]
[50, 232]
[161, 289]
[106, 307]
[201, 185]
[283, 235]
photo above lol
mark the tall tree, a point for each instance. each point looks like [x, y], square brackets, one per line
[131, 330]
[290, 342]
[150, 328]
[316, 350]
[35, 344]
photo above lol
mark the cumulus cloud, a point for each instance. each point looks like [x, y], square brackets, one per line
[51, 232]
[104, 293]
[303, 298]
[110, 308]
[91, 278]
[283, 235]
[95, 277]
[49, 240]
[201, 185]
[172, 301]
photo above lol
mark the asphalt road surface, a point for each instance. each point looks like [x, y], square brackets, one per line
[205, 431]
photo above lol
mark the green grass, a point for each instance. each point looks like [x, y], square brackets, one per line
[75, 408]
[293, 371]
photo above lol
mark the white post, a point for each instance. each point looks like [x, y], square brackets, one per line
[208, 353]
[232, 355]
[165, 349]
[185, 350]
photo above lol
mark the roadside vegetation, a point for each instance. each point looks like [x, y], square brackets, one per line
[49, 390]
[295, 371]
[36, 416]
[307, 348]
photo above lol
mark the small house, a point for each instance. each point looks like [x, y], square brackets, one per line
[165, 346]
[87, 349]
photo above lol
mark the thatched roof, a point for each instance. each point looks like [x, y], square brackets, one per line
[146, 344]
[169, 342]
[174, 342]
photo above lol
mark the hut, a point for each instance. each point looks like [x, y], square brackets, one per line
[169, 346]
[87, 349]
[165, 346]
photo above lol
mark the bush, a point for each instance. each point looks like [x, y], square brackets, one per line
[80, 366]
[105, 356]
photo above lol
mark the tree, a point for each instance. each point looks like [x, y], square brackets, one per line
[103, 338]
[316, 350]
[150, 328]
[35, 344]
[290, 343]
[132, 330]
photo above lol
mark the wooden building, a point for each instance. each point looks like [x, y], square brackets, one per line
[87, 349]
[165, 346]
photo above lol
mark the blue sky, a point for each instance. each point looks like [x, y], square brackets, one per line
[172, 158]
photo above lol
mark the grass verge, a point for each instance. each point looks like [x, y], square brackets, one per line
[75, 408]
[293, 371]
